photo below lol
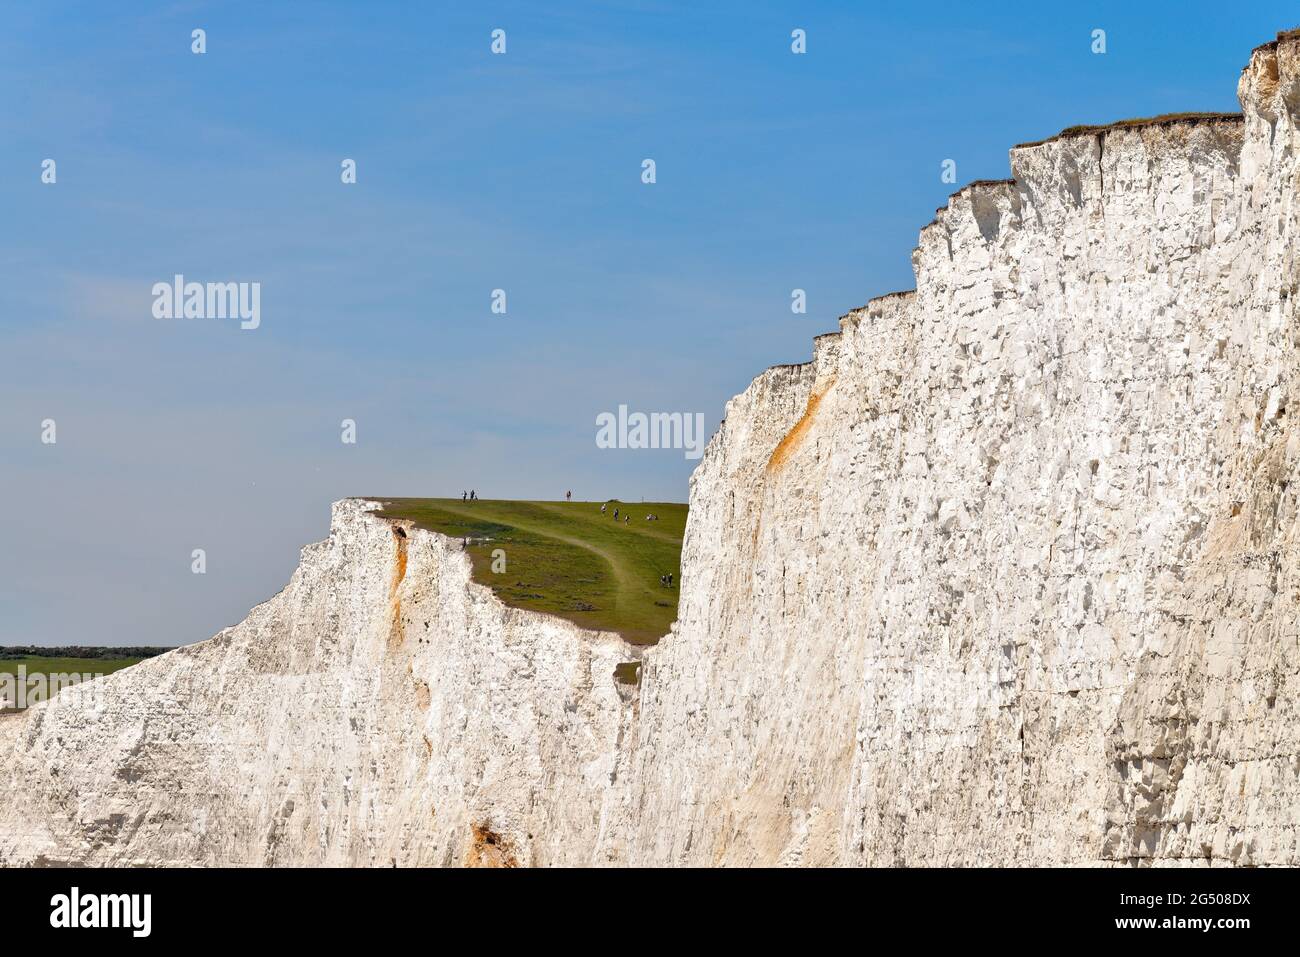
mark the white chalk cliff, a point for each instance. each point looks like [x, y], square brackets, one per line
[1009, 573]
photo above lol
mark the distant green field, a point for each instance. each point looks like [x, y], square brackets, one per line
[566, 558]
[52, 666]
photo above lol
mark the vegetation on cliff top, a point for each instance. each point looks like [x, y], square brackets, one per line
[104, 661]
[1165, 119]
[567, 558]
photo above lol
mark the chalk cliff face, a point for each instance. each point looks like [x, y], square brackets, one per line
[382, 709]
[1007, 574]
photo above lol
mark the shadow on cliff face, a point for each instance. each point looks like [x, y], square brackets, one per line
[1205, 722]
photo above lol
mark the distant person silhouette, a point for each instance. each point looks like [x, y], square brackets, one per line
[568, 496]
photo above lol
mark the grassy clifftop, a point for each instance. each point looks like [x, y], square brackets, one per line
[96, 661]
[567, 558]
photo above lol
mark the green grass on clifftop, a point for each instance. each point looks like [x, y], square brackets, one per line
[44, 665]
[566, 558]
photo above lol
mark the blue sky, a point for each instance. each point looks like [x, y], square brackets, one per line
[775, 171]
